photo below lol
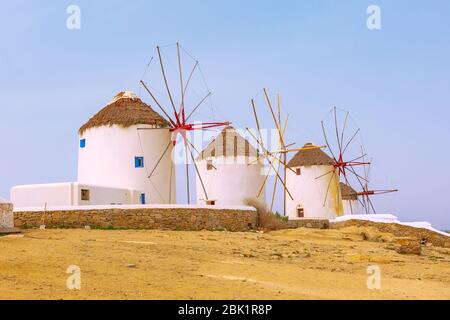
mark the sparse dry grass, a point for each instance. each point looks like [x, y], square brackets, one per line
[285, 264]
[267, 220]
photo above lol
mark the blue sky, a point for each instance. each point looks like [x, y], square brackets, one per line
[316, 54]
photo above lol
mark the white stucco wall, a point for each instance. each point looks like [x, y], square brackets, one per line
[232, 182]
[134, 206]
[108, 159]
[57, 194]
[99, 195]
[69, 194]
[310, 193]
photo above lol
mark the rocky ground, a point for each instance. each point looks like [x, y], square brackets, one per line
[287, 264]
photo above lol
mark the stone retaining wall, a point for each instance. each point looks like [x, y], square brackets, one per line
[6, 215]
[308, 223]
[141, 218]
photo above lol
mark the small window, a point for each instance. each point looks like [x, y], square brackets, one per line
[209, 165]
[85, 195]
[139, 162]
[298, 171]
[82, 143]
[300, 212]
[142, 198]
[211, 202]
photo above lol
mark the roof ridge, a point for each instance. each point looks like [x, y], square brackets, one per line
[124, 95]
[125, 109]
[219, 143]
[310, 157]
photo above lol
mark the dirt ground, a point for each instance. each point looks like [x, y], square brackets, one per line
[288, 264]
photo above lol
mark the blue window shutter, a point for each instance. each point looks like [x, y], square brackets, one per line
[82, 143]
[138, 162]
[142, 198]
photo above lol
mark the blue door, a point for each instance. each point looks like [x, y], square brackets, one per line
[138, 162]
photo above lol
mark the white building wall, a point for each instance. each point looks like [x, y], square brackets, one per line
[231, 182]
[108, 159]
[41, 195]
[99, 195]
[69, 194]
[310, 192]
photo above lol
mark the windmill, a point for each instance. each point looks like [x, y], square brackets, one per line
[277, 159]
[343, 147]
[183, 102]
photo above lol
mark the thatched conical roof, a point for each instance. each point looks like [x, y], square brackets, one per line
[312, 157]
[229, 143]
[126, 109]
[347, 192]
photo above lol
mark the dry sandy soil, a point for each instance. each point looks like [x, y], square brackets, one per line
[288, 264]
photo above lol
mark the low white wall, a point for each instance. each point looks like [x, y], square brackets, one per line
[69, 194]
[56, 194]
[148, 206]
[106, 195]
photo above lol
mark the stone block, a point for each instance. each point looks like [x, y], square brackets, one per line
[6, 215]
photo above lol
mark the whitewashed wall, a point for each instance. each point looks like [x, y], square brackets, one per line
[69, 194]
[108, 159]
[232, 182]
[310, 193]
[54, 194]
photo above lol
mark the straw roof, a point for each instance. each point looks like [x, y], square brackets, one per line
[229, 143]
[347, 192]
[126, 109]
[313, 157]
